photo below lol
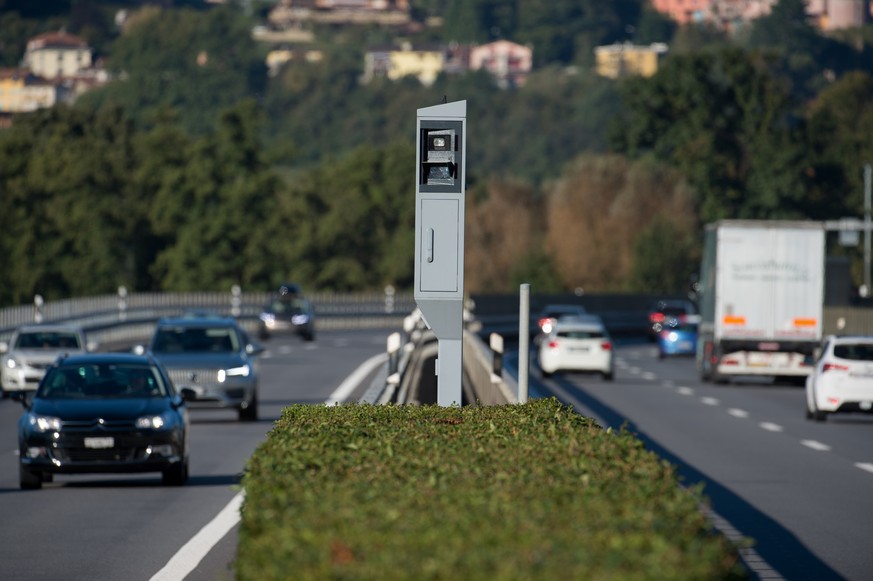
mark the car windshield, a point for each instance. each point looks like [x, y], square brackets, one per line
[196, 340]
[292, 307]
[854, 351]
[48, 340]
[102, 381]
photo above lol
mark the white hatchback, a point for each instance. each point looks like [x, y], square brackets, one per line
[577, 344]
[842, 379]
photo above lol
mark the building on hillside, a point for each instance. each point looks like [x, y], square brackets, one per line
[621, 60]
[508, 62]
[423, 62]
[684, 11]
[279, 57]
[294, 13]
[56, 55]
[734, 15]
[22, 92]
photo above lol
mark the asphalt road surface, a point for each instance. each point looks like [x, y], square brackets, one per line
[88, 527]
[802, 490]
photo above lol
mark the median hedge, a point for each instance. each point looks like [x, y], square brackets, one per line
[532, 491]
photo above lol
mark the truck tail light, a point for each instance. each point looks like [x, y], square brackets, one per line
[834, 367]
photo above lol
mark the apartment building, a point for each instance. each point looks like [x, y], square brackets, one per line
[620, 60]
[735, 14]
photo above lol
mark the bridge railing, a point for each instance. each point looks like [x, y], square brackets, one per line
[127, 317]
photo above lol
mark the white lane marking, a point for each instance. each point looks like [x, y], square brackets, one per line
[709, 401]
[738, 413]
[866, 466]
[753, 561]
[189, 556]
[771, 427]
[634, 370]
[684, 391]
[816, 445]
[352, 381]
[649, 376]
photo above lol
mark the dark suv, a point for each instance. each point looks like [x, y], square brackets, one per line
[214, 357]
[288, 312]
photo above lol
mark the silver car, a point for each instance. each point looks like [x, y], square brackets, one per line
[214, 357]
[31, 351]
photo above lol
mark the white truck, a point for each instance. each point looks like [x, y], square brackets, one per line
[761, 299]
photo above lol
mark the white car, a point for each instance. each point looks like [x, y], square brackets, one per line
[577, 344]
[842, 379]
[32, 349]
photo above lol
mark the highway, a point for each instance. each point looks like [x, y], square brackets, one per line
[88, 527]
[802, 490]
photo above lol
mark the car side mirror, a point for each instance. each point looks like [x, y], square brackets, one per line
[4, 346]
[255, 349]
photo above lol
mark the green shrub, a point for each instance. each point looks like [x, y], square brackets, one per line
[531, 491]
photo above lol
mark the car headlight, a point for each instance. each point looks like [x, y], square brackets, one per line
[152, 422]
[299, 319]
[242, 371]
[268, 318]
[11, 363]
[44, 424]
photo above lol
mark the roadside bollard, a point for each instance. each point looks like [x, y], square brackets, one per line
[496, 342]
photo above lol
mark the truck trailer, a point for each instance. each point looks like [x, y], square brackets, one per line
[761, 299]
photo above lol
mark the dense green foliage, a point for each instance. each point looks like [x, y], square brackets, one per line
[532, 491]
[194, 169]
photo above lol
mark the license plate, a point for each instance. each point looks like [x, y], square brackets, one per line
[99, 442]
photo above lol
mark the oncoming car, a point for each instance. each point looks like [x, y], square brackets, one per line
[213, 356]
[553, 313]
[106, 413]
[288, 312]
[842, 379]
[677, 337]
[577, 344]
[32, 349]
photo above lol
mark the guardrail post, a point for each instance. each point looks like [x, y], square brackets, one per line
[389, 299]
[393, 345]
[235, 300]
[122, 303]
[38, 303]
[496, 342]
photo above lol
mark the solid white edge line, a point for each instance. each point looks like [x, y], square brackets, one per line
[352, 381]
[189, 556]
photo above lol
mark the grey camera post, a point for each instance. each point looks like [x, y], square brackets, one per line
[440, 175]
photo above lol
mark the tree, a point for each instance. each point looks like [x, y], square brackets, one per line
[604, 209]
[199, 62]
[722, 119]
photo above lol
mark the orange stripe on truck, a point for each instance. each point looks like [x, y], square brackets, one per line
[733, 320]
[805, 322]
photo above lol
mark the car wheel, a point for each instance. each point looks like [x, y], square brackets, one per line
[175, 475]
[263, 335]
[250, 412]
[29, 479]
[819, 416]
[609, 376]
[309, 336]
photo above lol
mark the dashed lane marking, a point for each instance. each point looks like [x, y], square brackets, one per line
[771, 427]
[865, 466]
[818, 446]
[738, 413]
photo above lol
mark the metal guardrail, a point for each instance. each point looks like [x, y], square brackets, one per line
[130, 317]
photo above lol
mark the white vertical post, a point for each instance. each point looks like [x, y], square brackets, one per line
[523, 342]
[867, 205]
